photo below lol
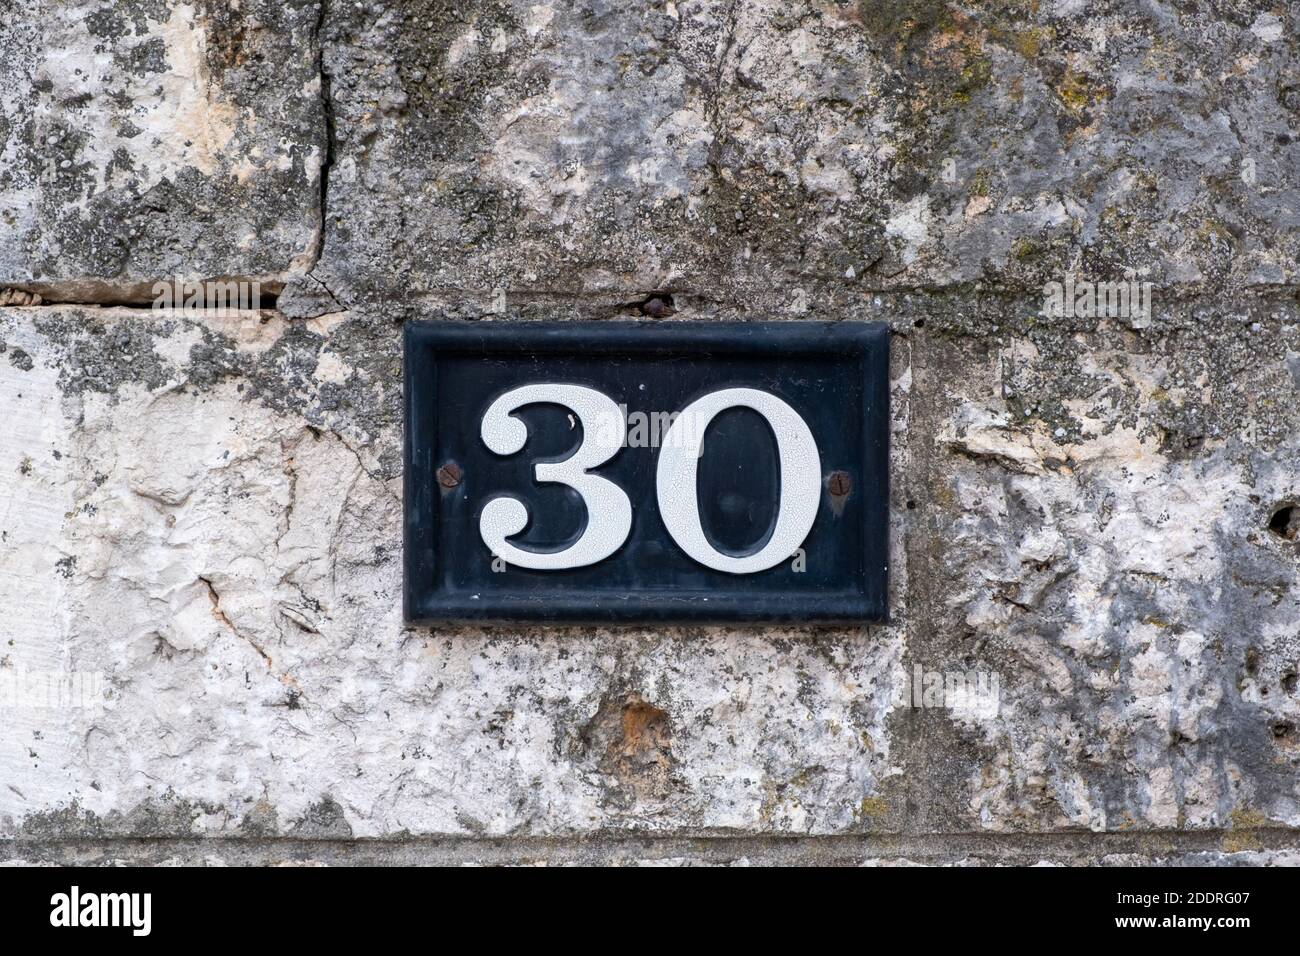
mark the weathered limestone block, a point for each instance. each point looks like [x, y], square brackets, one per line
[784, 156]
[207, 513]
[1108, 527]
[147, 139]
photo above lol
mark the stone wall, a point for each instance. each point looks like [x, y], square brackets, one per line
[203, 510]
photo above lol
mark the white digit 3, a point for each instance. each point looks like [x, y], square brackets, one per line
[609, 511]
[679, 462]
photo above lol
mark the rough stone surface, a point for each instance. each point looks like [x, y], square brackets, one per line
[204, 487]
[205, 508]
[147, 140]
[784, 156]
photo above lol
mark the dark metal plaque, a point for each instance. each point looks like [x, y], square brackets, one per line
[646, 472]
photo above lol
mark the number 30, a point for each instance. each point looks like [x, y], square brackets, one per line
[609, 511]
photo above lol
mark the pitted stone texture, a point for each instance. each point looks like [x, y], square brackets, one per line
[1108, 138]
[145, 140]
[203, 511]
[785, 155]
[1099, 511]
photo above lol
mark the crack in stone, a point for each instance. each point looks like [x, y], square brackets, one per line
[327, 162]
[291, 473]
[362, 465]
[136, 294]
[220, 615]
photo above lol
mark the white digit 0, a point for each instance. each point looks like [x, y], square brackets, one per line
[609, 511]
[679, 461]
